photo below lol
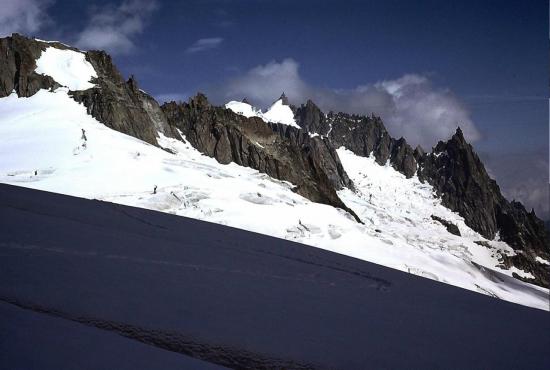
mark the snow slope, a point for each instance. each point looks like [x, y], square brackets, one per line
[67, 67]
[43, 133]
[277, 113]
[244, 109]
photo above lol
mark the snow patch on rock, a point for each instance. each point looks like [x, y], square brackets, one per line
[277, 113]
[67, 67]
[281, 113]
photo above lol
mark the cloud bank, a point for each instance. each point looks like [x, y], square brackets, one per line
[410, 105]
[204, 44]
[23, 16]
[522, 176]
[113, 28]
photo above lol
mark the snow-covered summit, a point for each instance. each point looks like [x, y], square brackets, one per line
[279, 112]
[244, 109]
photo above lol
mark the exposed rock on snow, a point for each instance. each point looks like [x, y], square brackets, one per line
[456, 173]
[465, 187]
[18, 57]
[452, 228]
[120, 104]
[364, 136]
[281, 151]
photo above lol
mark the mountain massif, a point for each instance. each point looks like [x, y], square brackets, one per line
[305, 155]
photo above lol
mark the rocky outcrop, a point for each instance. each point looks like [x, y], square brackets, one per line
[120, 104]
[460, 179]
[312, 119]
[364, 136]
[281, 151]
[451, 228]
[456, 173]
[117, 103]
[18, 56]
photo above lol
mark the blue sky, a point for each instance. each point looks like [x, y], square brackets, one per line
[484, 63]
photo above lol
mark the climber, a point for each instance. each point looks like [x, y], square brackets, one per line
[84, 135]
[155, 190]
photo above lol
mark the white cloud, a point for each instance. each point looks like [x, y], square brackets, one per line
[113, 28]
[265, 83]
[522, 176]
[205, 44]
[23, 16]
[410, 106]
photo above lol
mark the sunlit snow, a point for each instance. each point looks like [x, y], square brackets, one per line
[281, 113]
[243, 109]
[43, 146]
[277, 113]
[67, 67]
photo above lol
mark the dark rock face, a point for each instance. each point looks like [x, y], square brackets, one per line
[117, 103]
[311, 119]
[360, 134]
[281, 151]
[459, 177]
[18, 56]
[452, 228]
[120, 104]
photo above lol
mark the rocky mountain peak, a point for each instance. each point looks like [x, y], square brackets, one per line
[199, 101]
[283, 98]
[458, 133]
[132, 83]
[310, 118]
[460, 178]
[364, 136]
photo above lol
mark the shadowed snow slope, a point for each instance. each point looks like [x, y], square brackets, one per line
[44, 147]
[72, 266]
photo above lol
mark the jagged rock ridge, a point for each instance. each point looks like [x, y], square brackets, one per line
[360, 134]
[281, 151]
[456, 173]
